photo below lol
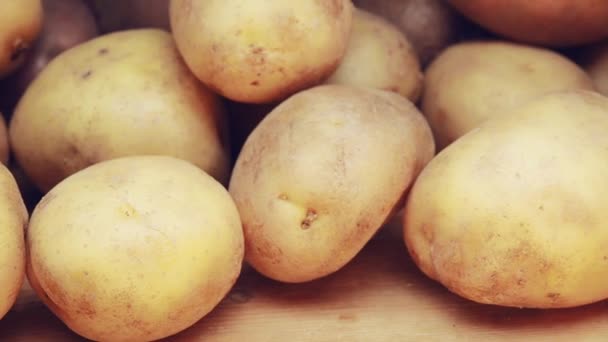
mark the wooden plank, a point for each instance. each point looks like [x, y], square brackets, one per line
[380, 296]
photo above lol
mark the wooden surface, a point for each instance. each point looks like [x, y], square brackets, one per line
[380, 296]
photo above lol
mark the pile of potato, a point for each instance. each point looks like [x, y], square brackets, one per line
[151, 148]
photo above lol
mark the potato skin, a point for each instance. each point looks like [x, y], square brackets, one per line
[321, 173]
[124, 93]
[134, 249]
[510, 213]
[555, 23]
[261, 51]
[20, 24]
[379, 56]
[12, 254]
[473, 81]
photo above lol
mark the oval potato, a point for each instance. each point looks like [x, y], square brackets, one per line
[321, 173]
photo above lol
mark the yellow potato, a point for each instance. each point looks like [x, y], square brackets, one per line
[512, 213]
[261, 51]
[20, 24]
[134, 249]
[12, 253]
[125, 93]
[321, 173]
[473, 81]
[379, 56]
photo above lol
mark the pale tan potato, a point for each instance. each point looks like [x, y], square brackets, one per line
[134, 249]
[261, 51]
[20, 24]
[12, 229]
[473, 81]
[124, 93]
[379, 56]
[321, 173]
[512, 213]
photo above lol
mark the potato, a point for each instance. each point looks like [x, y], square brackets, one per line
[12, 254]
[430, 25]
[557, 23]
[20, 24]
[379, 56]
[321, 173]
[473, 81]
[124, 93]
[261, 51]
[66, 23]
[510, 214]
[129, 14]
[135, 248]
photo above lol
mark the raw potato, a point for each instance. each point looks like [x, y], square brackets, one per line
[148, 245]
[321, 173]
[12, 254]
[66, 23]
[379, 56]
[473, 81]
[522, 222]
[20, 24]
[430, 25]
[556, 23]
[124, 93]
[261, 51]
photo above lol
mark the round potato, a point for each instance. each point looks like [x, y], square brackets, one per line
[12, 254]
[511, 215]
[66, 23]
[135, 248]
[379, 56]
[473, 81]
[321, 173]
[124, 93]
[20, 24]
[261, 51]
[556, 23]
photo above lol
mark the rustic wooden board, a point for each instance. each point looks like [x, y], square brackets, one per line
[380, 296]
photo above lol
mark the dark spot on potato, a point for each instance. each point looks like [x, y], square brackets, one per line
[351, 317]
[255, 83]
[553, 295]
[283, 197]
[86, 74]
[311, 216]
[103, 51]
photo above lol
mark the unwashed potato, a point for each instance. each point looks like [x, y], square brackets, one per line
[124, 93]
[556, 23]
[20, 24]
[261, 51]
[12, 229]
[129, 14]
[430, 25]
[66, 23]
[473, 81]
[511, 215]
[379, 56]
[321, 173]
[134, 249]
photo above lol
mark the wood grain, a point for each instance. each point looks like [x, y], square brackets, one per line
[379, 296]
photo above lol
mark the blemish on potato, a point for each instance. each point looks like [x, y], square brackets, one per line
[128, 210]
[255, 83]
[283, 197]
[103, 51]
[311, 216]
[86, 74]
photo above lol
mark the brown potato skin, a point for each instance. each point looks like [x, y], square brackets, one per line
[20, 24]
[321, 173]
[555, 23]
[66, 23]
